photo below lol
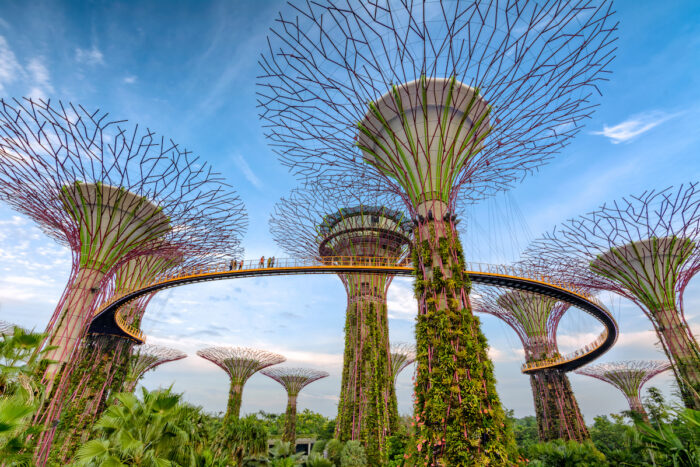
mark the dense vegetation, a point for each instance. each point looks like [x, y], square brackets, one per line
[157, 428]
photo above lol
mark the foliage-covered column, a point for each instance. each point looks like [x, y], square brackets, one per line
[100, 371]
[558, 413]
[290, 421]
[367, 410]
[459, 418]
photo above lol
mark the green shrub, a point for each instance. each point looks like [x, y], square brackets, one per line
[559, 453]
[333, 449]
[319, 446]
[353, 455]
[317, 460]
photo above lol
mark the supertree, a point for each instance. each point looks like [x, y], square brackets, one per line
[293, 380]
[436, 102]
[643, 248]
[628, 377]
[110, 193]
[535, 319]
[344, 225]
[239, 363]
[145, 358]
[402, 355]
[6, 328]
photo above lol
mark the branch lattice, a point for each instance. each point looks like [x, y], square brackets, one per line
[627, 376]
[536, 64]
[240, 363]
[402, 355]
[146, 357]
[644, 248]
[294, 379]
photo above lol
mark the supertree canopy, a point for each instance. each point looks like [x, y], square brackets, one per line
[402, 355]
[110, 193]
[145, 358]
[6, 329]
[535, 318]
[293, 380]
[353, 224]
[239, 363]
[435, 102]
[628, 377]
[643, 248]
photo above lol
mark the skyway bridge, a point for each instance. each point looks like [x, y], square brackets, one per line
[108, 319]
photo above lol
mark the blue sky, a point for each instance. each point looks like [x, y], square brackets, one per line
[187, 70]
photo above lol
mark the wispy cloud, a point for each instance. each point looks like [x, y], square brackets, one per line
[40, 79]
[248, 173]
[634, 126]
[10, 68]
[131, 79]
[92, 56]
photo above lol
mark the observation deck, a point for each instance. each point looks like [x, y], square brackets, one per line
[109, 321]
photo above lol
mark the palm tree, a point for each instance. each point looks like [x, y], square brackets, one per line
[158, 431]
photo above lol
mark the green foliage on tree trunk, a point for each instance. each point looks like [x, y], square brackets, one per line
[458, 415]
[367, 410]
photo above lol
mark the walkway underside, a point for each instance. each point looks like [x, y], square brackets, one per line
[109, 321]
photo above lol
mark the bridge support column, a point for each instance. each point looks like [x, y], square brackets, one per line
[367, 410]
[459, 418]
[556, 408]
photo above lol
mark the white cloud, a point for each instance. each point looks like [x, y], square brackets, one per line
[10, 68]
[91, 56]
[247, 171]
[401, 303]
[634, 126]
[131, 79]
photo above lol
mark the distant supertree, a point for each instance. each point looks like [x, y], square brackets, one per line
[145, 358]
[402, 355]
[293, 380]
[239, 363]
[346, 225]
[435, 102]
[6, 328]
[110, 193]
[628, 377]
[645, 249]
[535, 319]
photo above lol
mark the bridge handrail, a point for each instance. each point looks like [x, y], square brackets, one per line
[549, 362]
[133, 331]
[269, 264]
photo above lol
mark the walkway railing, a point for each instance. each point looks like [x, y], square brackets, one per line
[570, 357]
[272, 266]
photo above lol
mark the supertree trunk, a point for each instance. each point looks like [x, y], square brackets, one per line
[290, 421]
[683, 350]
[558, 413]
[459, 418]
[636, 406]
[235, 398]
[99, 371]
[367, 410]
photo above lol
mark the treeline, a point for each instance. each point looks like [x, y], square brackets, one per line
[157, 428]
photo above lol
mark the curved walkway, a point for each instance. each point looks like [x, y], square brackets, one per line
[108, 320]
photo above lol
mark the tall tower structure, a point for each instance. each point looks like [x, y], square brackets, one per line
[110, 193]
[239, 363]
[438, 103]
[345, 226]
[147, 357]
[535, 319]
[293, 380]
[645, 249]
[628, 377]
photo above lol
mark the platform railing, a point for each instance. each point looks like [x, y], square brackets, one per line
[272, 264]
[133, 331]
[549, 362]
